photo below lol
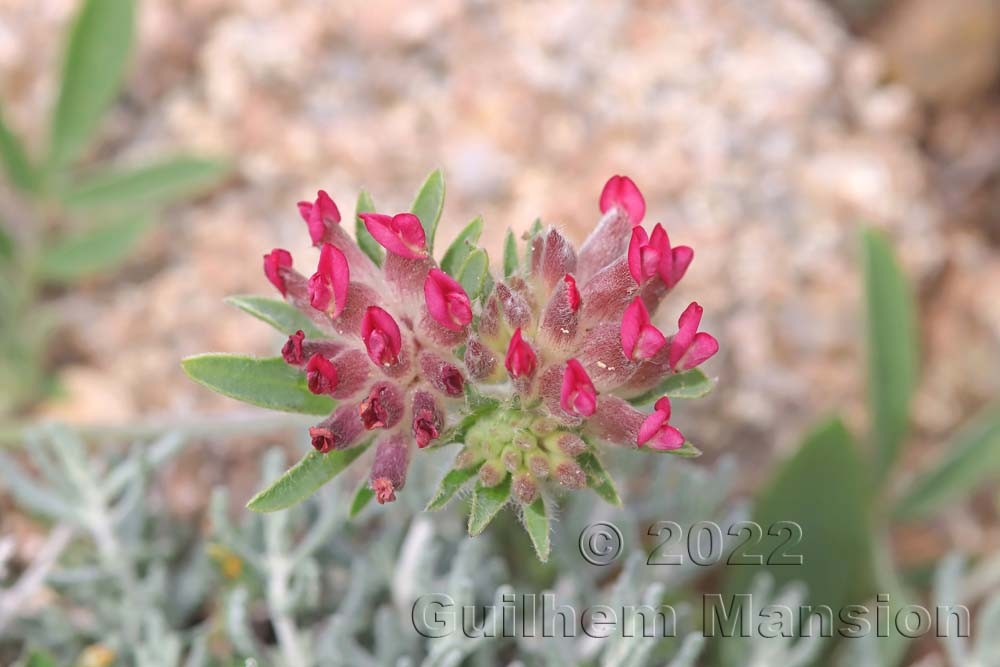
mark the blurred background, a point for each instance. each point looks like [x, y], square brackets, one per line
[764, 133]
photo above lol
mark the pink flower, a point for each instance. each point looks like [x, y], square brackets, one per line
[446, 301]
[657, 432]
[690, 347]
[621, 192]
[651, 256]
[578, 395]
[318, 215]
[427, 418]
[572, 293]
[321, 375]
[401, 234]
[274, 262]
[292, 350]
[330, 281]
[521, 360]
[383, 408]
[640, 339]
[381, 336]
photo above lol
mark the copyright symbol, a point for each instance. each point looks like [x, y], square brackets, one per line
[600, 543]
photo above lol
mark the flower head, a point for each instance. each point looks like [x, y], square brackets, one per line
[573, 330]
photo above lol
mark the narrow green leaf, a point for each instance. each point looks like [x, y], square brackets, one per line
[365, 240]
[478, 402]
[509, 254]
[598, 478]
[362, 497]
[536, 523]
[304, 479]
[689, 384]
[158, 183]
[7, 245]
[269, 383]
[685, 451]
[892, 350]
[92, 251]
[460, 248]
[824, 490]
[450, 485]
[429, 204]
[93, 65]
[533, 231]
[472, 275]
[486, 504]
[284, 317]
[20, 171]
[972, 459]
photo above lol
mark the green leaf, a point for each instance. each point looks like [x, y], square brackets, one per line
[366, 241]
[486, 504]
[428, 205]
[478, 402]
[20, 171]
[972, 459]
[450, 485]
[689, 384]
[598, 478]
[892, 350]
[7, 245]
[824, 489]
[93, 66]
[40, 658]
[686, 451]
[304, 479]
[533, 231]
[284, 317]
[92, 251]
[893, 647]
[509, 254]
[460, 248]
[473, 273]
[269, 383]
[150, 184]
[362, 497]
[536, 523]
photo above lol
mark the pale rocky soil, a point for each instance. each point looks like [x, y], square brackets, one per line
[762, 132]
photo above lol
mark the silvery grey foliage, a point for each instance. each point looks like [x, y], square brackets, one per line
[308, 586]
[954, 584]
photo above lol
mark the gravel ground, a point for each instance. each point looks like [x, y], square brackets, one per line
[761, 132]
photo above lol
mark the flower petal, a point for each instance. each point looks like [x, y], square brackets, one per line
[621, 192]
[401, 234]
[447, 301]
[274, 263]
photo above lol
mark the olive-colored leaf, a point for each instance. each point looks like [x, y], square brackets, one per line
[509, 254]
[892, 350]
[17, 165]
[428, 205]
[362, 496]
[92, 251]
[268, 383]
[536, 524]
[366, 241]
[450, 485]
[973, 458]
[473, 273]
[283, 316]
[598, 478]
[460, 248]
[486, 504]
[93, 65]
[304, 479]
[686, 451]
[151, 184]
[689, 384]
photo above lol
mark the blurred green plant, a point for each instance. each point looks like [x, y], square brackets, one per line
[62, 220]
[842, 494]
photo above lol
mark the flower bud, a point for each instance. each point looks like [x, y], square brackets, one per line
[392, 459]
[321, 375]
[491, 473]
[523, 488]
[539, 465]
[466, 458]
[383, 408]
[552, 258]
[578, 396]
[561, 318]
[621, 192]
[443, 376]
[521, 360]
[480, 361]
[569, 444]
[511, 458]
[568, 473]
[524, 440]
